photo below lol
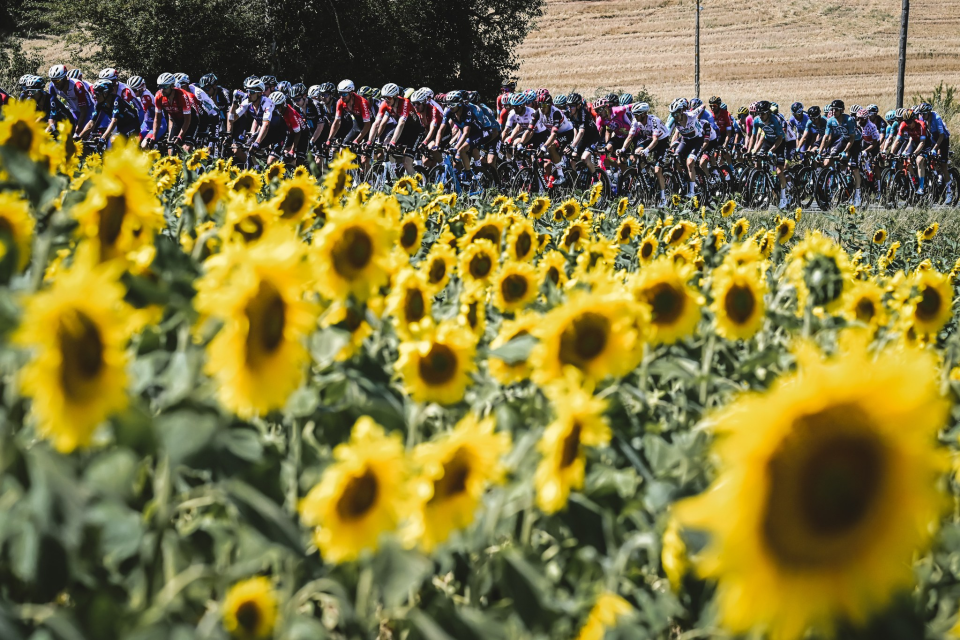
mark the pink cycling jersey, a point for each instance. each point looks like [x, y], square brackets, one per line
[618, 123]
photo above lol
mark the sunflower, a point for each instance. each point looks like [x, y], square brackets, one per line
[411, 233]
[405, 186]
[598, 254]
[478, 263]
[728, 209]
[20, 129]
[522, 243]
[247, 183]
[766, 243]
[515, 286]
[539, 207]
[579, 423]
[455, 470]
[880, 236]
[352, 252]
[738, 304]
[674, 304]
[930, 232]
[409, 303]
[438, 266]
[594, 194]
[647, 250]
[437, 367]
[77, 332]
[627, 230]
[210, 188]
[275, 171]
[258, 357]
[717, 239]
[250, 609]
[568, 210]
[503, 372]
[196, 159]
[117, 217]
[821, 272]
[16, 229]
[673, 557]
[553, 267]
[597, 333]
[350, 319]
[607, 610]
[679, 234]
[823, 497]
[296, 199]
[740, 228]
[246, 221]
[575, 237]
[932, 307]
[785, 230]
[864, 303]
[490, 229]
[472, 314]
[361, 496]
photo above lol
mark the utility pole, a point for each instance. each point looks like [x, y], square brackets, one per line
[696, 46]
[904, 18]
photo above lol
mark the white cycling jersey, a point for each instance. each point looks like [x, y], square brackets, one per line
[653, 126]
[555, 118]
[261, 112]
[525, 119]
[692, 128]
[205, 100]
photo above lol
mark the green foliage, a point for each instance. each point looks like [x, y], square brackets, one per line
[14, 62]
[944, 99]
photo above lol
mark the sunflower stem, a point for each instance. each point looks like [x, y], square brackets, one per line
[705, 367]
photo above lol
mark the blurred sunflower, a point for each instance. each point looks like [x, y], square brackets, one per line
[740, 229]
[679, 234]
[515, 286]
[627, 230]
[246, 221]
[622, 207]
[478, 263]
[472, 314]
[579, 423]
[490, 229]
[502, 371]
[728, 209]
[22, 130]
[250, 609]
[522, 242]
[930, 232]
[247, 183]
[409, 303]
[77, 333]
[821, 272]
[411, 233]
[880, 236]
[575, 237]
[361, 496]
[864, 303]
[438, 266]
[118, 216]
[604, 615]
[597, 255]
[823, 498]
[437, 367]
[674, 304]
[16, 229]
[647, 250]
[296, 198]
[210, 188]
[539, 207]
[593, 196]
[766, 242]
[352, 254]
[455, 470]
[567, 210]
[275, 171]
[738, 304]
[196, 159]
[348, 318]
[338, 178]
[258, 357]
[673, 557]
[785, 230]
[405, 186]
[932, 306]
[553, 267]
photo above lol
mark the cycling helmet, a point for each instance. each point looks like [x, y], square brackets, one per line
[314, 91]
[453, 99]
[390, 90]
[517, 100]
[427, 92]
[254, 83]
[298, 90]
[136, 83]
[75, 74]
[510, 86]
[279, 98]
[268, 80]
[714, 101]
[102, 85]
[327, 87]
[639, 108]
[602, 103]
[753, 108]
[420, 95]
[763, 106]
[530, 96]
[166, 80]
[923, 107]
[723, 106]
[109, 74]
[873, 110]
[612, 98]
[544, 97]
[796, 107]
[625, 99]
[473, 97]
[863, 113]
[814, 111]
[680, 104]
[742, 112]
[366, 91]
[440, 97]
[182, 79]
[574, 99]
[695, 103]
[560, 101]
[35, 83]
[57, 72]
[346, 86]
[908, 115]
[208, 80]
[774, 107]
[836, 104]
[409, 93]
[890, 116]
[899, 113]
[284, 87]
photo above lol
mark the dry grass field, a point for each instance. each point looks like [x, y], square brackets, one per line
[783, 51]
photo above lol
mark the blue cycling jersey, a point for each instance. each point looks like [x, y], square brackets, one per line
[844, 128]
[772, 128]
[799, 124]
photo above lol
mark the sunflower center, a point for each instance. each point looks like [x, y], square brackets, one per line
[523, 245]
[929, 305]
[266, 315]
[439, 365]
[666, 303]
[823, 279]
[248, 616]
[352, 252]
[646, 250]
[340, 183]
[81, 354]
[293, 202]
[250, 228]
[359, 496]
[571, 446]
[739, 303]
[514, 287]
[489, 232]
[21, 136]
[456, 472]
[414, 306]
[244, 183]
[438, 269]
[865, 310]
[573, 237]
[625, 232]
[675, 235]
[208, 192]
[480, 265]
[584, 339]
[826, 481]
[111, 219]
[553, 274]
[409, 235]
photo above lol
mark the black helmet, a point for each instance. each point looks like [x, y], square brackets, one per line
[298, 90]
[473, 96]
[714, 100]
[269, 80]
[837, 104]
[327, 87]
[208, 80]
[814, 111]
[763, 106]
[574, 99]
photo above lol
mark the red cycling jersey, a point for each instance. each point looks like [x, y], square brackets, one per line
[360, 108]
[176, 106]
[916, 130]
[502, 101]
[293, 119]
[431, 115]
[724, 121]
[402, 110]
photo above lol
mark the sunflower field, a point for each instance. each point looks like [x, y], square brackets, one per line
[276, 404]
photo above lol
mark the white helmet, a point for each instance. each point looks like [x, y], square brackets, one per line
[680, 104]
[427, 91]
[182, 79]
[314, 92]
[278, 98]
[136, 83]
[57, 72]
[420, 95]
[346, 86]
[109, 74]
[254, 83]
[166, 80]
[390, 90]
[639, 107]
[75, 74]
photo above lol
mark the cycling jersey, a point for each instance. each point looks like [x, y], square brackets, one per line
[263, 110]
[645, 131]
[581, 118]
[693, 127]
[502, 101]
[175, 107]
[486, 116]
[772, 129]
[310, 114]
[528, 119]
[291, 117]
[789, 135]
[869, 132]
[4, 97]
[149, 108]
[51, 107]
[748, 125]
[618, 123]
[706, 116]
[116, 108]
[556, 121]
[361, 108]
[74, 95]
[935, 124]
[890, 131]
[915, 130]
[844, 127]
[798, 125]
[815, 127]
[204, 102]
[462, 120]
[402, 109]
[723, 120]
[432, 114]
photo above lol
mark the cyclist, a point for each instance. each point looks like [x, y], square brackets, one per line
[269, 84]
[687, 129]
[202, 103]
[317, 97]
[890, 130]
[740, 126]
[468, 133]
[553, 129]
[219, 96]
[711, 132]
[122, 117]
[139, 88]
[871, 138]
[789, 135]
[268, 127]
[430, 115]
[875, 118]
[353, 108]
[647, 129]
[798, 125]
[521, 122]
[842, 137]
[915, 130]
[396, 125]
[121, 89]
[724, 124]
[174, 109]
[585, 132]
[614, 124]
[813, 131]
[51, 109]
[294, 124]
[71, 93]
[939, 134]
[769, 140]
[504, 98]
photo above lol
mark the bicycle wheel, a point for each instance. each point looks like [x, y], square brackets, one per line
[844, 189]
[627, 184]
[826, 188]
[526, 180]
[803, 185]
[952, 195]
[379, 176]
[506, 171]
[761, 189]
[440, 175]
